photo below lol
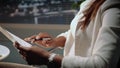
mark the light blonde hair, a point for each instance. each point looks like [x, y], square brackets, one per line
[91, 13]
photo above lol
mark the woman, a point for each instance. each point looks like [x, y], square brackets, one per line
[91, 42]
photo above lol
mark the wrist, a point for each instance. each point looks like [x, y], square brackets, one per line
[51, 57]
[60, 41]
[54, 61]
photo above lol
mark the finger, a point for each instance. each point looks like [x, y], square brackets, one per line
[42, 35]
[16, 44]
[45, 43]
[24, 49]
[23, 53]
[33, 40]
[38, 37]
[30, 38]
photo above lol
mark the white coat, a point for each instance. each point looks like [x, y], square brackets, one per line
[99, 45]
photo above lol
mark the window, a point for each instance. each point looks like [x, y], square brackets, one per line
[37, 11]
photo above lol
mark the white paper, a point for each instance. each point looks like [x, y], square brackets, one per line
[20, 41]
[14, 38]
[6, 34]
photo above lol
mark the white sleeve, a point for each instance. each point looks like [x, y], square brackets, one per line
[64, 34]
[107, 41]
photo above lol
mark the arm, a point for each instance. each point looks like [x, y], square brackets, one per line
[59, 41]
[105, 45]
[37, 56]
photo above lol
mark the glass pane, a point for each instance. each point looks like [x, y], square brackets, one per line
[37, 11]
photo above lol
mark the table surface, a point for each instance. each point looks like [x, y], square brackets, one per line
[14, 56]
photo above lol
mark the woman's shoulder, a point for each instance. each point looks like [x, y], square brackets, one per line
[110, 4]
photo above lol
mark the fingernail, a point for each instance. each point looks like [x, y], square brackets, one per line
[47, 45]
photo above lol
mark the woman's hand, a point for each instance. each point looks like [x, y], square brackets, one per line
[33, 55]
[43, 39]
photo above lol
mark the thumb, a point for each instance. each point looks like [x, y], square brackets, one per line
[23, 48]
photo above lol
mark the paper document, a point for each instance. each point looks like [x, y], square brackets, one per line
[14, 38]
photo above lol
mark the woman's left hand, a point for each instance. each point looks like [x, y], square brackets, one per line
[33, 55]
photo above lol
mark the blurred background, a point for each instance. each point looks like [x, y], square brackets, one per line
[38, 11]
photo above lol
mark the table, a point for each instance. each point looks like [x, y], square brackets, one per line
[14, 56]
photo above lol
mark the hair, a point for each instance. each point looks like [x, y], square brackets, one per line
[91, 13]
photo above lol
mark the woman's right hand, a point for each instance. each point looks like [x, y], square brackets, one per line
[42, 39]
